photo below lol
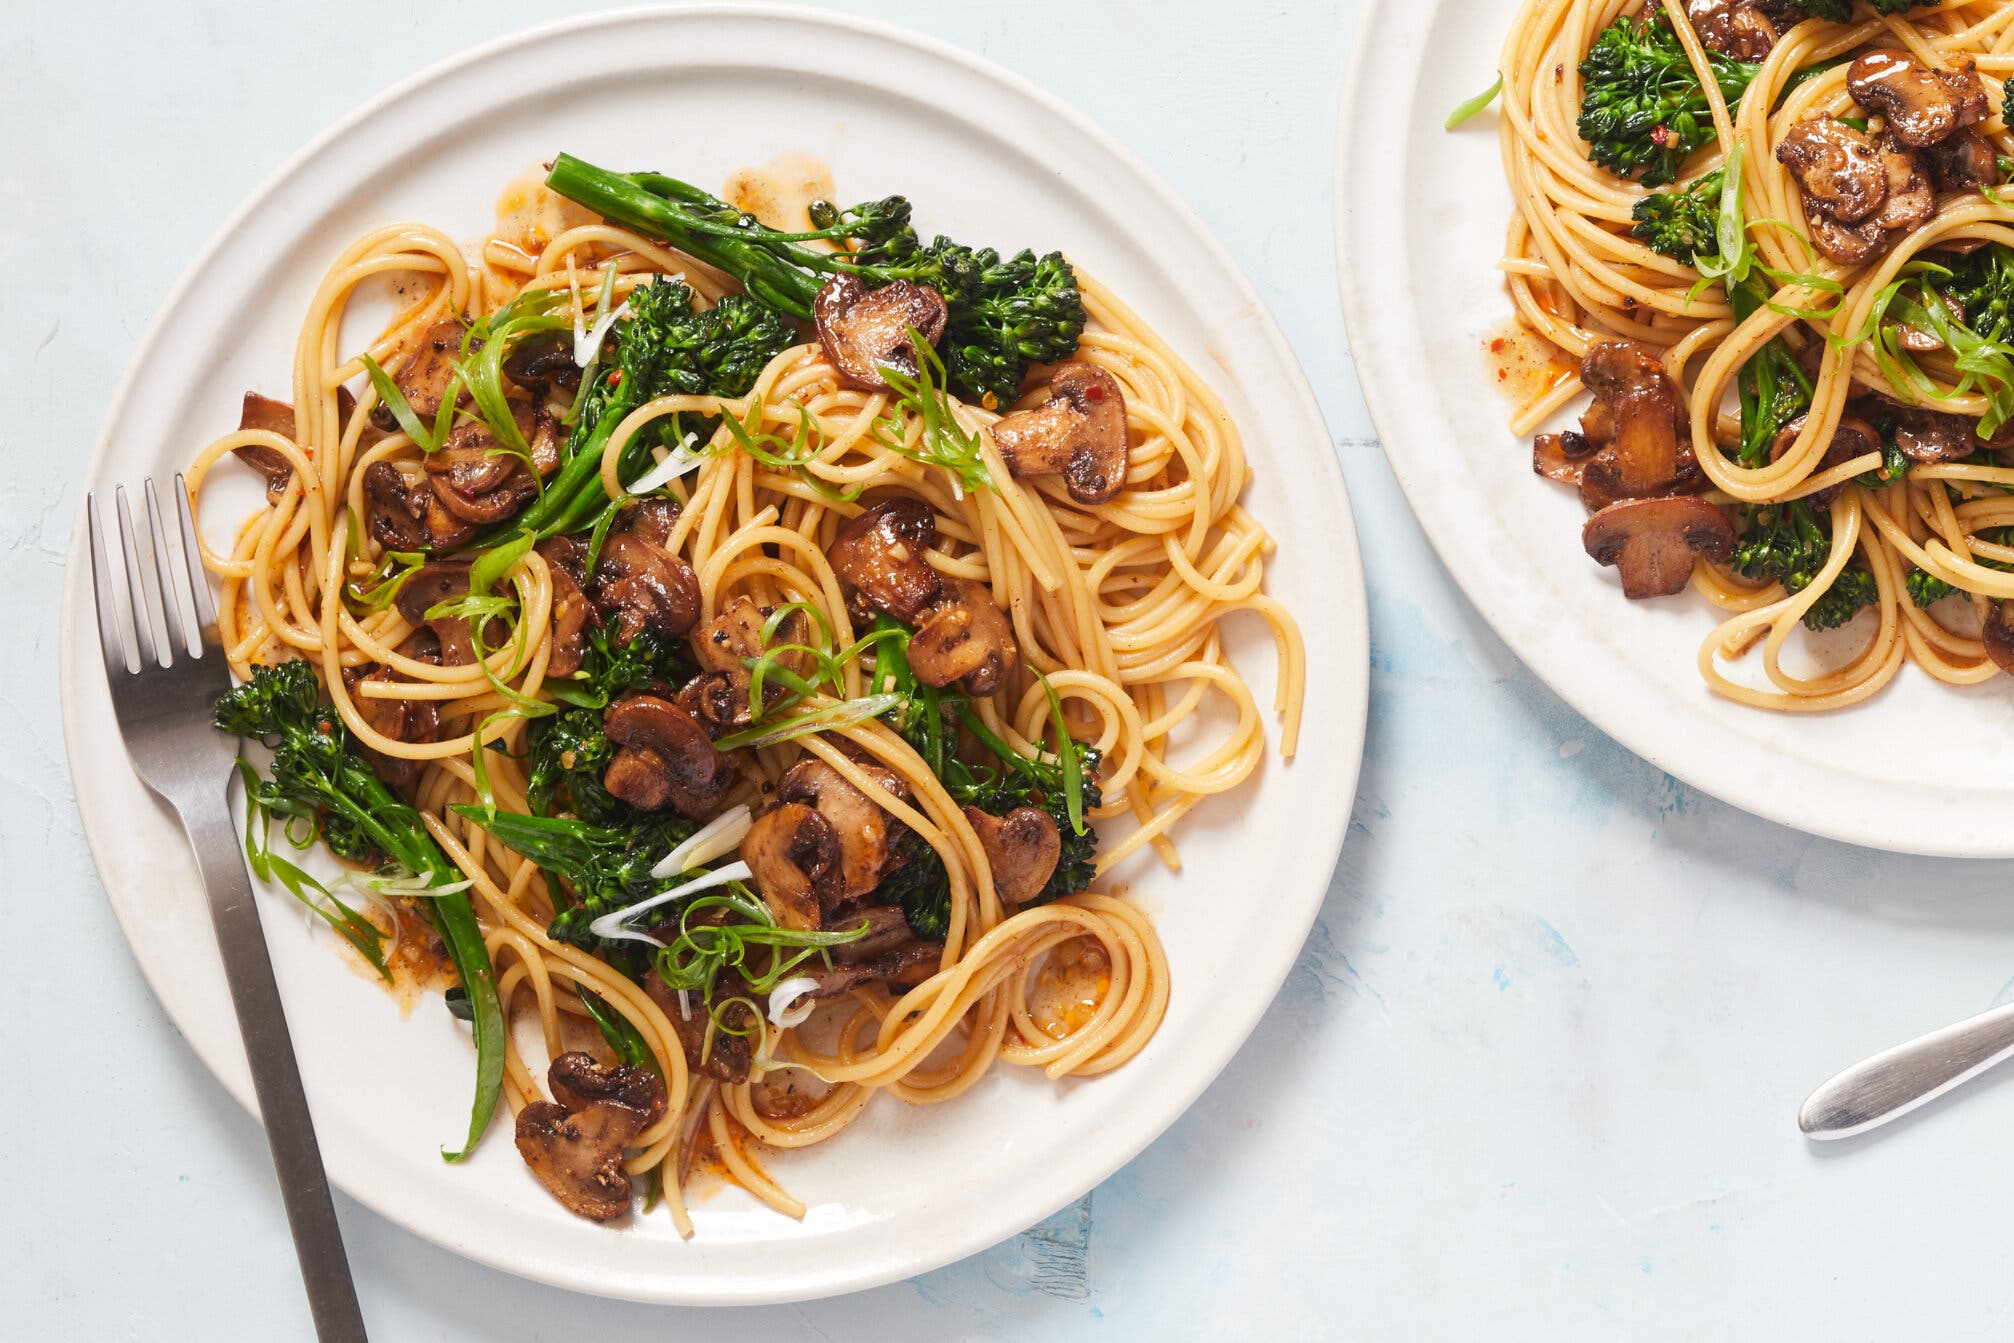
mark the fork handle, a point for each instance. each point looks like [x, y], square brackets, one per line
[276, 1076]
[1897, 1080]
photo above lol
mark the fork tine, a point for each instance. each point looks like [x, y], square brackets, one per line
[192, 556]
[173, 633]
[136, 586]
[110, 638]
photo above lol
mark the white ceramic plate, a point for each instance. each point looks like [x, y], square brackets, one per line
[1420, 216]
[907, 1189]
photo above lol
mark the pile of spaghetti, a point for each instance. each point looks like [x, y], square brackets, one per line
[1770, 237]
[736, 652]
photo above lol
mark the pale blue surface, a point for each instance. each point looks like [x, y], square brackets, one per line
[1534, 1076]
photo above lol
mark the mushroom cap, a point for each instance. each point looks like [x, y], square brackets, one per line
[878, 556]
[1080, 432]
[1561, 457]
[667, 757]
[1652, 542]
[543, 360]
[1996, 631]
[1022, 848]
[1837, 167]
[718, 701]
[1910, 199]
[388, 509]
[720, 644]
[865, 832]
[1640, 424]
[642, 586]
[1920, 105]
[425, 379]
[796, 856]
[1736, 28]
[432, 583]
[964, 638]
[274, 417]
[574, 1144]
[864, 330]
[1962, 161]
[1848, 244]
[1934, 436]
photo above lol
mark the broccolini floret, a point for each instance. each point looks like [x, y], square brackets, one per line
[1642, 110]
[1787, 543]
[1681, 224]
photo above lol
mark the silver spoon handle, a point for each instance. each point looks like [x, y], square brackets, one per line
[1896, 1081]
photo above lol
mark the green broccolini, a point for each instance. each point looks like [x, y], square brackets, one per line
[605, 868]
[1982, 283]
[664, 346]
[1643, 112]
[1841, 11]
[320, 777]
[568, 752]
[1681, 224]
[1925, 587]
[1787, 543]
[1004, 313]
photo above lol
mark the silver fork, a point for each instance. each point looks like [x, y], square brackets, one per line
[164, 690]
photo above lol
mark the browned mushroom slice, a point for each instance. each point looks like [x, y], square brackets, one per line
[408, 720]
[1562, 456]
[1022, 848]
[1839, 169]
[1996, 631]
[1920, 105]
[1648, 451]
[543, 361]
[866, 833]
[796, 857]
[1854, 437]
[1910, 199]
[575, 1144]
[1933, 436]
[864, 330]
[478, 480]
[1963, 161]
[912, 961]
[735, 634]
[879, 559]
[425, 379]
[431, 584]
[1737, 28]
[274, 417]
[446, 530]
[964, 638]
[717, 702]
[389, 511]
[1653, 542]
[1849, 245]
[1079, 433]
[641, 587]
[667, 759]
[572, 615]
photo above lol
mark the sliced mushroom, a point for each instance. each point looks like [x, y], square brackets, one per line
[1910, 199]
[478, 480]
[425, 379]
[1921, 105]
[878, 557]
[1839, 169]
[1079, 432]
[1962, 161]
[1652, 542]
[1562, 456]
[1854, 437]
[407, 720]
[964, 638]
[1737, 28]
[1848, 244]
[864, 330]
[572, 614]
[543, 361]
[432, 583]
[274, 417]
[911, 961]
[866, 832]
[446, 530]
[574, 1144]
[1022, 848]
[1933, 436]
[796, 857]
[1996, 631]
[717, 702]
[1647, 450]
[642, 586]
[667, 759]
[388, 509]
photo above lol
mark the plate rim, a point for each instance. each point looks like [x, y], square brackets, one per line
[222, 1058]
[1865, 818]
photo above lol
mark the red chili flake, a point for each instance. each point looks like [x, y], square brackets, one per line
[1094, 393]
[615, 378]
[1661, 137]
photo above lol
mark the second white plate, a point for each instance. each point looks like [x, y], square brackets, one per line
[1420, 217]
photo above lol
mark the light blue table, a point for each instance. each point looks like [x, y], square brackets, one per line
[1534, 1076]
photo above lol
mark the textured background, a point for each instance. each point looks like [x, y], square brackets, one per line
[1534, 1075]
